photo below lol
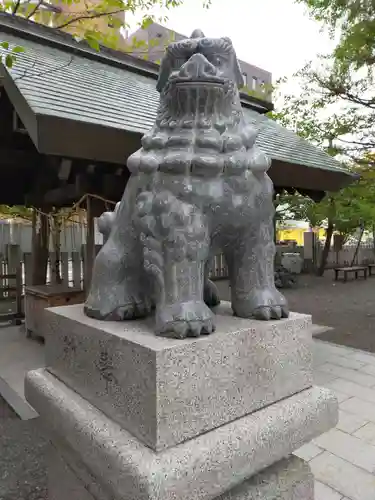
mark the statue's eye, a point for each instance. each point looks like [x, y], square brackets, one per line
[179, 62]
[217, 61]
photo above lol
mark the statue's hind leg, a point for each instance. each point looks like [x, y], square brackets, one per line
[120, 288]
[210, 291]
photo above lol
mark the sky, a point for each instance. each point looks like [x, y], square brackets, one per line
[275, 35]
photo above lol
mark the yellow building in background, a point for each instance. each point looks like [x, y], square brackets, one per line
[293, 231]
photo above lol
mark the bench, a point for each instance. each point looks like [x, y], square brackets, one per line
[358, 271]
[371, 267]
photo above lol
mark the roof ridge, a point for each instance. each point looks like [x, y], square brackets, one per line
[53, 37]
[30, 30]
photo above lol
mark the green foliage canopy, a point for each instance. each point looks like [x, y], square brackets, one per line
[335, 110]
[98, 22]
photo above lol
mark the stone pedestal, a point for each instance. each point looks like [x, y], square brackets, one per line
[135, 416]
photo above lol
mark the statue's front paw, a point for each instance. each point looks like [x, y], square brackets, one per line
[135, 308]
[263, 304]
[118, 307]
[186, 319]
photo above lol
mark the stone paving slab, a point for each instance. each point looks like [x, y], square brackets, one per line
[343, 459]
[343, 477]
[324, 492]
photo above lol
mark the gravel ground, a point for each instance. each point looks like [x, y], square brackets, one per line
[22, 458]
[347, 307]
[5, 410]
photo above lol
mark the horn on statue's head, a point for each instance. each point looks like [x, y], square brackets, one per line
[197, 34]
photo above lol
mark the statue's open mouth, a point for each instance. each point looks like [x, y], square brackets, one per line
[212, 82]
[219, 82]
[192, 97]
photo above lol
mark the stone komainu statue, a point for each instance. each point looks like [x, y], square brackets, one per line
[198, 186]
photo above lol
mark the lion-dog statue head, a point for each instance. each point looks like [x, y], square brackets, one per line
[199, 128]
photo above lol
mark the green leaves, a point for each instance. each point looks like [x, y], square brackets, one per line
[8, 53]
[18, 50]
[345, 209]
[91, 38]
[354, 22]
[16, 211]
[98, 22]
[9, 60]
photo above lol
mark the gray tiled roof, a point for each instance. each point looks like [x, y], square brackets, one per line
[55, 82]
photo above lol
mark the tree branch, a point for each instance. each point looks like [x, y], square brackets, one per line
[42, 73]
[95, 15]
[16, 7]
[348, 96]
[29, 16]
[358, 143]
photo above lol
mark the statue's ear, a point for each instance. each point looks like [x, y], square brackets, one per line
[164, 72]
[237, 72]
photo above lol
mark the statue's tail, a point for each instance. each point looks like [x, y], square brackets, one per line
[105, 222]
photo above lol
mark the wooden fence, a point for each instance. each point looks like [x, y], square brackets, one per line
[72, 268]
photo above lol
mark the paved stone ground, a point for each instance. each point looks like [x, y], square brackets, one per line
[343, 459]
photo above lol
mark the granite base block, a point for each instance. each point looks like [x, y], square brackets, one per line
[166, 391]
[202, 468]
[288, 479]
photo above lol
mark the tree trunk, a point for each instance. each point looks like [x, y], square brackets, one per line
[326, 249]
[40, 247]
[358, 246]
[56, 236]
[90, 243]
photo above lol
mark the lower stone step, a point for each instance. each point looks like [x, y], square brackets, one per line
[204, 467]
[288, 479]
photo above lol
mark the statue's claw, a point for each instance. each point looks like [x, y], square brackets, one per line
[262, 304]
[188, 319]
[134, 307]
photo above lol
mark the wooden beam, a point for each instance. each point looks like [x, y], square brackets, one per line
[17, 158]
[62, 195]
